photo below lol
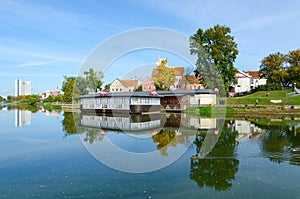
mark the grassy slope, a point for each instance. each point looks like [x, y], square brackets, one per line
[265, 100]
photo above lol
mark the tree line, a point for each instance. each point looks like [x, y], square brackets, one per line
[282, 68]
[216, 51]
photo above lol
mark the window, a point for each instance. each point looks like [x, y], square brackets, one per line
[129, 90]
[116, 89]
[112, 89]
[120, 89]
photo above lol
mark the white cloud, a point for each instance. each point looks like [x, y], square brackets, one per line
[50, 58]
[28, 64]
[31, 75]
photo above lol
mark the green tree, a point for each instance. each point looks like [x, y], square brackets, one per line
[107, 87]
[139, 88]
[273, 68]
[69, 89]
[93, 79]
[216, 51]
[293, 59]
[163, 76]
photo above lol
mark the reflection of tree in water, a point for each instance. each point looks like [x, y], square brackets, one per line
[166, 137]
[92, 135]
[70, 122]
[218, 168]
[281, 143]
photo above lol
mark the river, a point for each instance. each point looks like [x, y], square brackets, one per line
[68, 155]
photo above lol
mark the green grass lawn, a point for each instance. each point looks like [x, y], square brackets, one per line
[265, 100]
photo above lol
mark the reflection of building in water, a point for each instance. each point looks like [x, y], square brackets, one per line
[22, 118]
[125, 123]
[50, 113]
[201, 123]
[245, 128]
[181, 122]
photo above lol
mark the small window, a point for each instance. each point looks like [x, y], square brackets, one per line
[116, 89]
[120, 89]
[112, 89]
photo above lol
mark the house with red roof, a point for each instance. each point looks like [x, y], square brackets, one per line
[246, 81]
[179, 83]
[119, 85]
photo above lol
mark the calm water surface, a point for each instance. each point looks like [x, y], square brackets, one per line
[49, 156]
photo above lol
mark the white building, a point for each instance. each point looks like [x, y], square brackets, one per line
[246, 81]
[48, 93]
[245, 129]
[22, 87]
[119, 85]
[22, 118]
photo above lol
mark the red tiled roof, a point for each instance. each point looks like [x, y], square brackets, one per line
[130, 83]
[254, 74]
[179, 71]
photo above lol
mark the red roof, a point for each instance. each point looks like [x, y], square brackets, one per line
[254, 74]
[179, 71]
[130, 83]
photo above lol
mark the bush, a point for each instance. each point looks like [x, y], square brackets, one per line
[269, 87]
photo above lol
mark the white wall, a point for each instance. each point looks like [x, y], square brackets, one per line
[203, 99]
[243, 85]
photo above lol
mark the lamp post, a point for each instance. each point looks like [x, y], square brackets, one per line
[295, 87]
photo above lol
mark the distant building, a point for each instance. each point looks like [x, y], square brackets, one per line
[191, 82]
[22, 87]
[256, 80]
[148, 85]
[179, 83]
[246, 81]
[48, 93]
[124, 85]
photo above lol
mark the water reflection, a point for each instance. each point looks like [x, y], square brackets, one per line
[244, 160]
[170, 135]
[22, 117]
[218, 168]
[281, 143]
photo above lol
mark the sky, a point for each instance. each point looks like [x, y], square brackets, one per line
[43, 41]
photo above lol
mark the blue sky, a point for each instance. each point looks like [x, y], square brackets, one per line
[43, 40]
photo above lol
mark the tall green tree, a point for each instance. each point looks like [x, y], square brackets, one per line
[216, 51]
[293, 60]
[69, 89]
[273, 68]
[163, 76]
[93, 79]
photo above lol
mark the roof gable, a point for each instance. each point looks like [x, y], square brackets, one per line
[179, 71]
[254, 74]
[130, 83]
